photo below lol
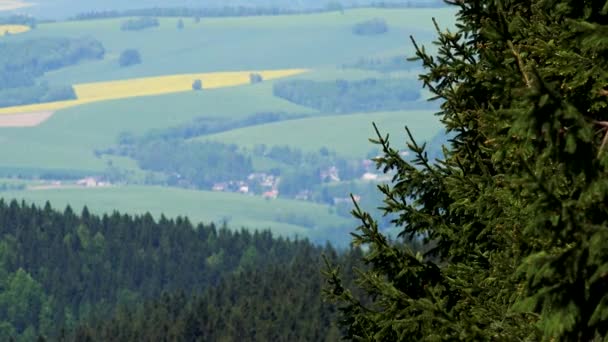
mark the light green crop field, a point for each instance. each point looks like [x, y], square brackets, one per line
[200, 206]
[346, 134]
[246, 43]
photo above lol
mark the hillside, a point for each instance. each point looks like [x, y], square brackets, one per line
[279, 146]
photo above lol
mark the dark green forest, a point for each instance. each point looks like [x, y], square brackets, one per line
[67, 275]
[499, 236]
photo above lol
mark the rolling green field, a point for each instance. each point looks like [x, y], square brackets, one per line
[322, 43]
[347, 135]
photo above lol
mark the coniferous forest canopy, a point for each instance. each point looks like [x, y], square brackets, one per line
[173, 172]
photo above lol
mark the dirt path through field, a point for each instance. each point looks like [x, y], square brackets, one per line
[8, 5]
[25, 119]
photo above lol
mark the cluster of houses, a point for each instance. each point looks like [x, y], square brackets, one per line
[92, 182]
[269, 185]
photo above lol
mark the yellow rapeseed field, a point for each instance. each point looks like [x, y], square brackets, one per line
[13, 29]
[101, 91]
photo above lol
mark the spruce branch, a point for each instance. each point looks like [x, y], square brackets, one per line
[604, 125]
[520, 64]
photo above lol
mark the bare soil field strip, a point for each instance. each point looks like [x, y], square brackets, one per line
[24, 119]
[9, 5]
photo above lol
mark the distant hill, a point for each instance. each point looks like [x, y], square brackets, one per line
[58, 9]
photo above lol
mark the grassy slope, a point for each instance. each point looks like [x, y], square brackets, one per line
[346, 134]
[199, 206]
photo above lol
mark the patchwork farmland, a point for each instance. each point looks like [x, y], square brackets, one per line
[120, 113]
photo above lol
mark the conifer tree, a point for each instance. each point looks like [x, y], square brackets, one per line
[514, 217]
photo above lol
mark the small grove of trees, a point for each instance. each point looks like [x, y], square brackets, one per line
[255, 78]
[384, 65]
[513, 218]
[39, 93]
[335, 6]
[139, 24]
[19, 20]
[371, 27]
[197, 85]
[129, 57]
[22, 62]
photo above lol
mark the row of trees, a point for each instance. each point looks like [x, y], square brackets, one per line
[239, 11]
[63, 274]
[370, 27]
[139, 24]
[384, 65]
[17, 19]
[37, 93]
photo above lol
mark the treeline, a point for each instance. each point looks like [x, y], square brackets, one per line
[243, 11]
[63, 274]
[342, 96]
[370, 27]
[37, 93]
[21, 63]
[19, 20]
[384, 65]
[203, 125]
[189, 164]
[139, 24]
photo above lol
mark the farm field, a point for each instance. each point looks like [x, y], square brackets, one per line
[148, 86]
[347, 135]
[12, 29]
[10, 5]
[199, 206]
